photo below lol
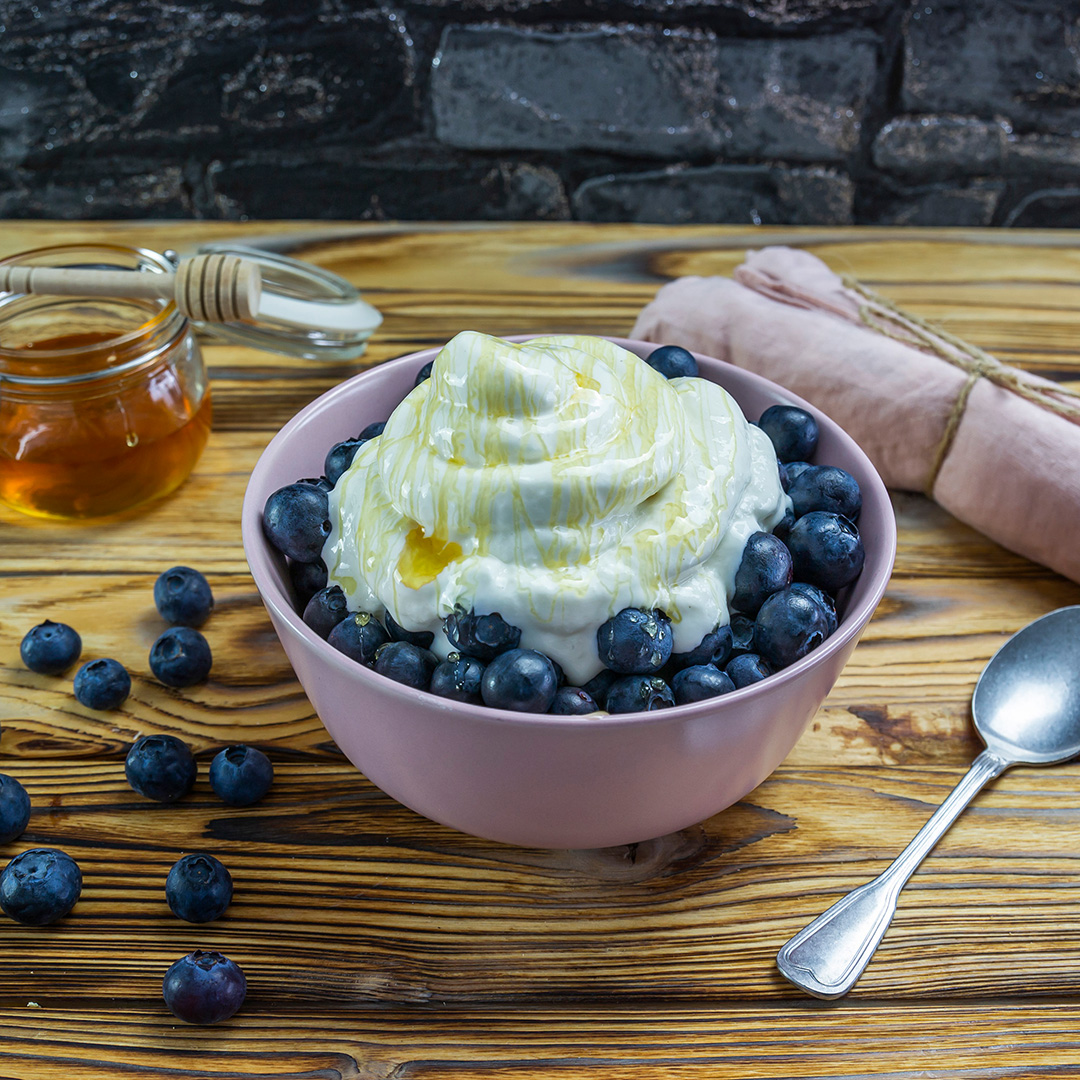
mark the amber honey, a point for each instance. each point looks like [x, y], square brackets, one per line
[104, 404]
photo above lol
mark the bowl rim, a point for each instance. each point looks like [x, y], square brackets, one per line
[257, 551]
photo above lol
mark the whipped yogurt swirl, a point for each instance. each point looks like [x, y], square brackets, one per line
[555, 482]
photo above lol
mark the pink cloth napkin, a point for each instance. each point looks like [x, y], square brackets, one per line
[997, 448]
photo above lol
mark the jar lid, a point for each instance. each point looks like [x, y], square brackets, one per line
[304, 311]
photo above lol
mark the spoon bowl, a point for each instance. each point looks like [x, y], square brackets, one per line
[1026, 704]
[1026, 709]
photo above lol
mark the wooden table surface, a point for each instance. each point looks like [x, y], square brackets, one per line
[378, 944]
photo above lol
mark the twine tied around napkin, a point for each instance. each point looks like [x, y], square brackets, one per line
[995, 446]
[881, 314]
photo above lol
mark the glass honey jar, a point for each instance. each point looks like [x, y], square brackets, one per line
[104, 402]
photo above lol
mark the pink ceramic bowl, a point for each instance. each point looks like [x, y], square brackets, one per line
[553, 781]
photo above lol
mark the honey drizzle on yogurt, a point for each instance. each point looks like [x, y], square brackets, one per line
[555, 481]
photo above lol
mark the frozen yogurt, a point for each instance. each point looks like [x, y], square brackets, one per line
[556, 482]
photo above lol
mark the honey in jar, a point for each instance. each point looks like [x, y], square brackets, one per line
[104, 403]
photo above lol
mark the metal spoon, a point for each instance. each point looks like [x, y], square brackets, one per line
[1026, 708]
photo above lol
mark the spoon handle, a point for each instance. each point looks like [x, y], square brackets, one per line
[827, 957]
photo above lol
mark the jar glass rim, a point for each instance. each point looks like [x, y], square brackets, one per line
[164, 327]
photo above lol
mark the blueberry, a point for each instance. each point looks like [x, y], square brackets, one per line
[421, 638]
[102, 684]
[198, 888]
[746, 668]
[50, 648]
[521, 679]
[598, 686]
[406, 663]
[296, 520]
[204, 988]
[788, 626]
[359, 636]
[698, 683]
[572, 701]
[828, 604]
[714, 648]
[635, 642]
[319, 482]
[372, 431]
[482, 636]
[160, 767]
[783, 526]
[793, 431]
[765, 568]
[789, 470]
[423, 374]
[638, 693]
[672, 362]
[180, 657]
[742, 634]
[240, 775]
[307, 579]
[825, 487]
[340, 457]
[40, 886]
[183, 596]
[458, 678]
[325, 610]
[14, 808]
[826, 550]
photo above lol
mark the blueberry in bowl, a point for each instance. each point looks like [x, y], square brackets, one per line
[641, 765]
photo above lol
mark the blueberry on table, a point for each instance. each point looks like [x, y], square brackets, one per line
[826, 487]
[181, 657]
[598, 686]
[50, 648]
[700, 682]
[746, 668]
[793, 432]
[102, 684]
[183, 596]
[406, 663]
[307, 579]
[14, 808]
[572, 701]
[325, 610]
[672, 362]
[359, 636]
[714, 648]
[198, 888]
[482, 636]
[458, 678]
[296, 520]
[638, 693]
[40, 886]
[241, 775]
[421, 638]
[522, 679]
[160, 767]
[635, 642]
[826, 550]
[789, 625]
[765, 568]
[340, 457]
[819, 596]
[204, 988]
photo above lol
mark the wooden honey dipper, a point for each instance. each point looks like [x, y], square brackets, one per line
[207, 288]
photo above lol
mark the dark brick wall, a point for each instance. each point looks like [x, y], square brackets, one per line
[944, 112]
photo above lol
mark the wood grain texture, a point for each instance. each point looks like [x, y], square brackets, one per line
[379, 944]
